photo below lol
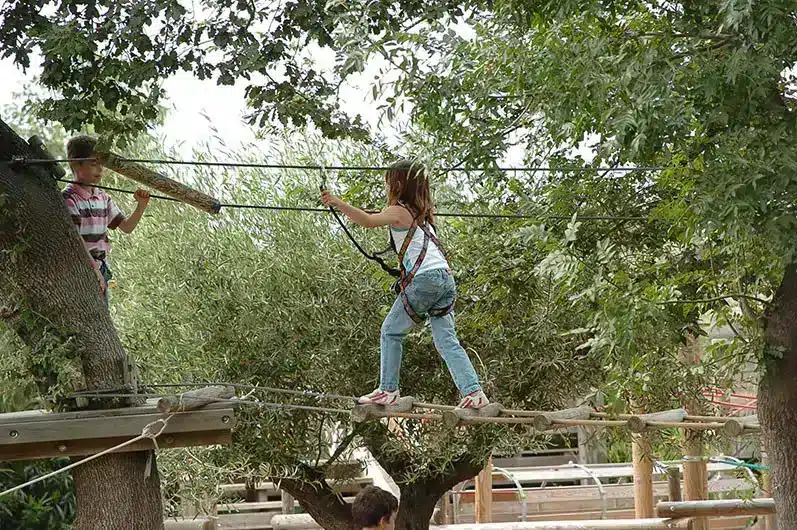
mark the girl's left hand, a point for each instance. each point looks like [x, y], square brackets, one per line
[329, 200]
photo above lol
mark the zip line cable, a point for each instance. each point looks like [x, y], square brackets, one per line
[521, 169]
[464, 215]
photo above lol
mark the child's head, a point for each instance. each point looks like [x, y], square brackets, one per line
[89, 171]
[374, 508]
[407, 182]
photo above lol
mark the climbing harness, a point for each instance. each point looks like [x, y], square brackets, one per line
[406, 276]
[374, 256]
[403, 276]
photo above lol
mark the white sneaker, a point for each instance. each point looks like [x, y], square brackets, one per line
[380, 397]
[475, 400]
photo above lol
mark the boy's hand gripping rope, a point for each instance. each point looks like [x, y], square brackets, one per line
[371, 256]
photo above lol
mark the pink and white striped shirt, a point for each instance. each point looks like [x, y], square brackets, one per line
[93, 213]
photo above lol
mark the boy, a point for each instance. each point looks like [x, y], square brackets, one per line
[93, 211]
[373, 509]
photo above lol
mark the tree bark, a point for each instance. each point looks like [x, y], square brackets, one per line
[319, 500]
[777, 397]
[419, 497]
[48, 286]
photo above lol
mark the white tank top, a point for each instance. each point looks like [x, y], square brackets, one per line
[434, 258]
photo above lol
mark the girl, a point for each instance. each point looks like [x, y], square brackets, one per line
[426, 284]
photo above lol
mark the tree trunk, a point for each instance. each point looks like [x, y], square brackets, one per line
[777, 398]
[48, 286]
[319, 500]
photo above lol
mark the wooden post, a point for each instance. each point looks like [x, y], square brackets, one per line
[146, 176]
[695, 475]
[695, 471]
[484, 494]
[287, 502]
[643, 476]
[769, 522]
[674, 484]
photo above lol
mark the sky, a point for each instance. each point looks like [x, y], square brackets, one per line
[192, 101]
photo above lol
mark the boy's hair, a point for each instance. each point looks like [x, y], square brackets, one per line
[407, 183]
[81, 146]
[372, 505]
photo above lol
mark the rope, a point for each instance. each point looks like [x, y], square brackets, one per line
[464, 215]
[373, 257]
[148, 432]
[526, 169]
[508, 416]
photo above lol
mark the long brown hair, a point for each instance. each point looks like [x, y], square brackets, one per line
[407, 183]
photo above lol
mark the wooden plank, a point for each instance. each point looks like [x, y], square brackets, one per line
[719, 508]
[643, 476]
[46, 415]
[304, 521]
[33, 451]
[484, 494]
[245, 521]
[563, 473]
[737, 523]
[248, 507]
[82, 428]
[199, 523]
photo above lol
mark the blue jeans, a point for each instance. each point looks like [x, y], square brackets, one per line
[429, 290]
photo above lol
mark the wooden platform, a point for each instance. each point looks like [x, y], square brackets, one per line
[37, 434]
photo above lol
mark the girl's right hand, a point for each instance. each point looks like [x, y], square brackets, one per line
[328, 199]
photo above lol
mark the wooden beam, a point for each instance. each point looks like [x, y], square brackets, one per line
[40, 434]
[720, 508]
[162, 183]
[643, 475]
[195, 399]
[34, 451]
[52, 429]
[484, 494]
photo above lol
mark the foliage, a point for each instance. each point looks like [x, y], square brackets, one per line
[282, 300]
[50, 503]
[47, 504]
